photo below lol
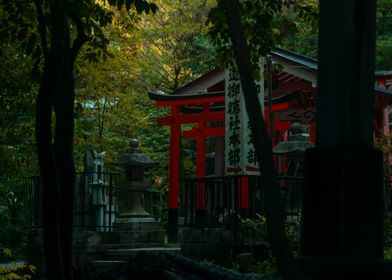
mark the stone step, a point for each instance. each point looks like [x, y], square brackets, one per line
[133, 251]
[107, 269]
[138, 245]
[106, 262]
[104, 247]
[136, 236]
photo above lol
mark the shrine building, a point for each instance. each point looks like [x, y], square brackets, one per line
[202, 103]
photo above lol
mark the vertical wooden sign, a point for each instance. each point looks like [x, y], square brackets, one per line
[240, 155]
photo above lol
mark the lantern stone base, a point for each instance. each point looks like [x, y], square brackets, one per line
[132, 239]
[133, 228]
[135, 223]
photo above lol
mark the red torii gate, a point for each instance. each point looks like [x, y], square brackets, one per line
[204, 114]
[199, 109]
[205, 106]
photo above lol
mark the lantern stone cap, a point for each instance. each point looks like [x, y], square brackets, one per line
[297, 141]
[292, 147]
[134, 157]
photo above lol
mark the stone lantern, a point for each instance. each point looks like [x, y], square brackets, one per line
[297, 141]
[294, 149]
[134, 185]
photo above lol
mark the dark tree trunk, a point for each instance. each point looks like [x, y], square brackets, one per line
[262, 143]
[55, 150]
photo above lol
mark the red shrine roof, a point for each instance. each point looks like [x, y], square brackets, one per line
[198, 98]
[201, 84]
[299, 73]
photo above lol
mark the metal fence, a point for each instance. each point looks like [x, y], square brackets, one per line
[207, 201]
[32, 201]
[96, 201]
[213, 201]
[95, 205]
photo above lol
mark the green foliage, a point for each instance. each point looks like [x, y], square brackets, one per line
[174, 48]
[140, 6]
[388, 236]
[295, 29]
[45, 26]
[384, 18]
[148, 52]
[259, 224]
[17, 97]
[17, 152]
[263, 26]
[268, 265]
[384, 144]
[384, 53]
[17, 24]
[299, 29]
[12, 220]
[25, 28]
[14, 270]
[388, 253]
[384, 35]
[113, 109]
[257, 20]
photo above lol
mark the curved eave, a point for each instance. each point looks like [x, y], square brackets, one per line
[169, 100]
[168, 97]
[381, 73]
[382, 91]
[297, 58]
[284, 98]
[172, 97]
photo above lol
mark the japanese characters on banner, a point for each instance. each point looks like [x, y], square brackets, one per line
[240, 154]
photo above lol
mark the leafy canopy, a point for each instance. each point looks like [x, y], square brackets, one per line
[261, 26]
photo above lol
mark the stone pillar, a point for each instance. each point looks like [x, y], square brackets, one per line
[343, 205]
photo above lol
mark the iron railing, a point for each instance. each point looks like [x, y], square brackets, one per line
[32, 201]
[213, 201]
[95, 205]
[96, 201]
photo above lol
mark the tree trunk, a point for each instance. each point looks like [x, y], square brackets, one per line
[55, 155]
[262, 143]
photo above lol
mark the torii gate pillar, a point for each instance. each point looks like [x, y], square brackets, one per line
[174, 174]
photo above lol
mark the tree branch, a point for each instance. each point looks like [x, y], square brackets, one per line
[41, 28]
[262, 143]
[80, 40]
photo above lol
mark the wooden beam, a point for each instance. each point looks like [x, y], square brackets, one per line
[184, 118]
[197, 100]
[208, 132]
